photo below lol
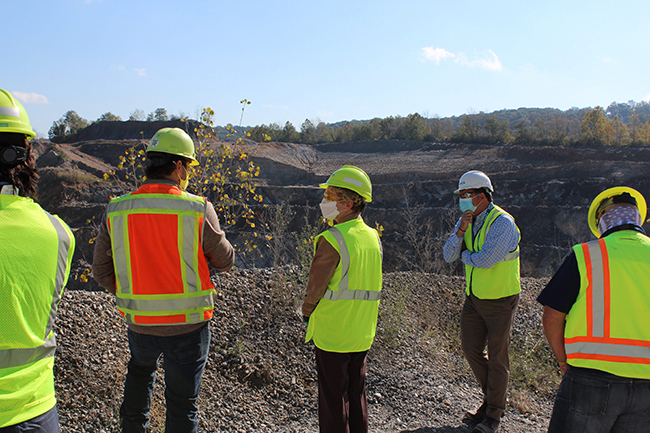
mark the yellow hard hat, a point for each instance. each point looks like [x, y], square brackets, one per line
[352, 178]
[174, 141]
[13, 117]
[602, 198]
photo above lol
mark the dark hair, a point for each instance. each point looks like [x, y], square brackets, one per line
[358, 202]
[23, 176]
[487, 193]
[160, 165]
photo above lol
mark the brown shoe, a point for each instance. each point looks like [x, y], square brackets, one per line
[479, 415]
[489, 425]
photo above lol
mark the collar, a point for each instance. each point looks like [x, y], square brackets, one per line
[8, 189]
[480, 218]
[164, 181]
[623, 227]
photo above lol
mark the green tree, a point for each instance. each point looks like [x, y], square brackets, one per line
[110, 117]
[621, 136]
[497, 131]
[414, 127]
[66, 126]
[596, 129]
[289, 134]
[307, 132]
[159, 115]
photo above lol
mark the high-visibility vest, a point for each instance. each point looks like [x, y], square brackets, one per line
[162, 276]
[36, 250]
[345, 319]
[500, 280]
[607, 327]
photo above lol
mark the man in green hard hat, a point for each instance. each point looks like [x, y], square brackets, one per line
[152, 252]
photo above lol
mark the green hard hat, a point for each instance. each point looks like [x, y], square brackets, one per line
[174, 141]
[13, 117]
[352, 178]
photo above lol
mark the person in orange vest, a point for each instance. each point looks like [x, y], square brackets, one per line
[152, 252]
[36, 249]
[596, 310]
[342, 301]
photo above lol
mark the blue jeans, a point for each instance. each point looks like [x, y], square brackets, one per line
[594, 401]
[184, 359]
[46, 423]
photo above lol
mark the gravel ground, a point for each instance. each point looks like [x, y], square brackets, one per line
[261, 375]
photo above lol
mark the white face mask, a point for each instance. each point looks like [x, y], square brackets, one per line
[329, 210]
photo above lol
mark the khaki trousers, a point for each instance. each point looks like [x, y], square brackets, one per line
[488, 322]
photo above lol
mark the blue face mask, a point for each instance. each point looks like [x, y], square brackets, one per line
[465, 204]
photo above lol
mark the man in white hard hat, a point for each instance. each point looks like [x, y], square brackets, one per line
[596, 321]
[486, 240]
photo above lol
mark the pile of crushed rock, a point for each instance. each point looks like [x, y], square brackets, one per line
[261, 375]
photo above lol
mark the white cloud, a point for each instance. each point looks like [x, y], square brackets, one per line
[488, 60]
[30, 98]
[140, 72]
[436, 54]
[118, 68]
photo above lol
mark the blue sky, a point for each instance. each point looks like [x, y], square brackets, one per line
[332, 61]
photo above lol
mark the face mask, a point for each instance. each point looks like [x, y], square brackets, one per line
[329, 210]
[185, 182]
[465, 204]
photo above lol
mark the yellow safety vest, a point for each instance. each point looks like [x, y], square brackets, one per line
[162, 276]
[36, 250]
[607, 327]
[500, 280]
[345, 319]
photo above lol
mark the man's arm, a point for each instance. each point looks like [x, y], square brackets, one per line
[103, 268]
[501, 239]
[321, 272]
[554, 322]
[454, 245]
[217, 249]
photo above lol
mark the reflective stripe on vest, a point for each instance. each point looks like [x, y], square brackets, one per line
[17, 357]
[500, 280]
[344, 292]
[598, 344]
[194, 301]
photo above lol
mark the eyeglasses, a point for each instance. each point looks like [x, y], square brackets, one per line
[330, 197]
[468, 195]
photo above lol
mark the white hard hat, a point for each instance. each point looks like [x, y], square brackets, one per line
[474, 179]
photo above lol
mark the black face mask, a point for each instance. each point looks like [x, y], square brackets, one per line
[13, 155]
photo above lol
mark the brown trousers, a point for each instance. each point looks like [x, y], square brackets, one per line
[342, 399]
[489, 322]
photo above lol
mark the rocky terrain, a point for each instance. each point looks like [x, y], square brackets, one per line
[261, 375]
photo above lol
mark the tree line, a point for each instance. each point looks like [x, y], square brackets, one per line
[620, 124]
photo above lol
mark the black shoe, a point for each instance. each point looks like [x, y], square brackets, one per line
[479, 415]
[489, 425]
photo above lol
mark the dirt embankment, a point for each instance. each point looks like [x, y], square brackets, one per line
[547, 189]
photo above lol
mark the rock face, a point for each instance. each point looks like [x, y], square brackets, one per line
[548, 190]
